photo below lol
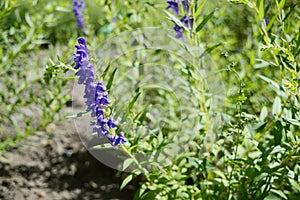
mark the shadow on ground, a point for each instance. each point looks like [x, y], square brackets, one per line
[57, 166]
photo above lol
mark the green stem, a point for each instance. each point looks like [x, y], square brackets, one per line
[139, 166]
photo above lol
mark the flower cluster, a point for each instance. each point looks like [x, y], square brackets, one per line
[187, 20]
[96, 96]
[78, 7]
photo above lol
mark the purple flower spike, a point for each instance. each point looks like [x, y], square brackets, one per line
[78, 8]
[174, 5]
[81, 55]
[96, 96]
[82, 41]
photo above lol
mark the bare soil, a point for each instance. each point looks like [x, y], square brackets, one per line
[56, 166]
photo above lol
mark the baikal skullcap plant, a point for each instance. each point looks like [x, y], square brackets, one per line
[97, 100]
[78, 8]
[187, 21]
[174, 5]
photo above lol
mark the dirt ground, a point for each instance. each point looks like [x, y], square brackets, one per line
[56, 166]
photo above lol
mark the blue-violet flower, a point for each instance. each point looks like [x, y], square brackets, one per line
[187, 21]
[179, 32]
[96, 96]
[78, 8]
[185, 5]
[174, 5]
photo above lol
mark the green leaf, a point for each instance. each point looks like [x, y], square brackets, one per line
[149, 195]
[107, 29]
[4, 160]
[63, 9]
[126, 181]
[277, 149]
[77, 115]
[261, 148]
[273, 197]
[277, 132]
[281, 5]
[28, 20]
[127, 163]
[134, 99]
[139, 193]
[111, 79]
[194, 162]
[270, 81]
[295, 184]
[144, 113]
[176, 20]
[263, 113]
[106, 71]
[270, 25]
[294, 122]
[263, 63]
[199, 10]
[160, 138]
[259, 126]
[261, 11]
[204, 21]
[16, 126]
[211, 48]
[276, 109]
[102, 147]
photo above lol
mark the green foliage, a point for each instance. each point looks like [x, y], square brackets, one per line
[30, 101]
[256, 154]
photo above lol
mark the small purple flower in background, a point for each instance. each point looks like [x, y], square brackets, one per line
[267, 20]
[187, 21]
[78, 8]
[115, 20]
[179, 32]
[185, 5]
[174, 5]
[96, 96]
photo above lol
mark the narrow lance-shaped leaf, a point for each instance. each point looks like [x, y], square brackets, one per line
[111, 79]
[144, 113]
[276, 109]
[263, 113]
[204, 21]
[281, 5]
[126, 181]
[176, 20]
[127, 163]
[102, 147]
[134, 99]
[295, 184]
[261, 10]
[199, 10]
[106, 71]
